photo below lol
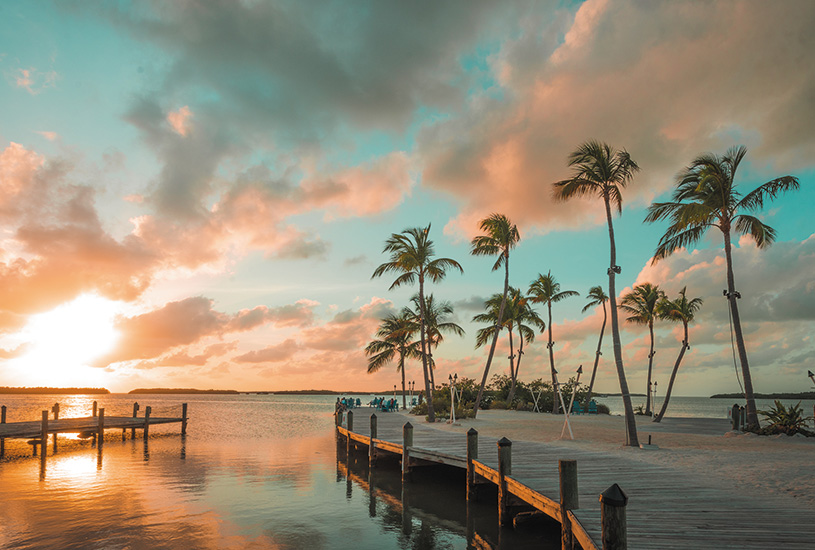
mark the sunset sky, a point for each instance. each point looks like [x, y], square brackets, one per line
[196, 194]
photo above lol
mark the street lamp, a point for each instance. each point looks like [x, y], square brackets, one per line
[453, 378]
[654, 398]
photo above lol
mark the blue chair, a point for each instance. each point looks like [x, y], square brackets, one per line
[576, 408]
[592, 407]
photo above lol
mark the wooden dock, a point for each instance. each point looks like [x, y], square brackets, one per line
[660, 507]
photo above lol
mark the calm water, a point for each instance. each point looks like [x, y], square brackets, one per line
[701, 407]
[253, 472]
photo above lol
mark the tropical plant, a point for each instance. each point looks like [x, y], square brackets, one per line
[641, 306]
[602, 171]
[500, 236]
[596, 298]
[786, 420]
[705, 196]
[679, 310]
[546, 290]
[412, 257]
[436, 326]
[395, 340]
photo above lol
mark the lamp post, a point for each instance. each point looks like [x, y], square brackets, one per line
[394, 391]
[453, 378]
[654, 398]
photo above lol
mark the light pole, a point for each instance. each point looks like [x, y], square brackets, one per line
[453, 378]
[654, 398]
[394, 391]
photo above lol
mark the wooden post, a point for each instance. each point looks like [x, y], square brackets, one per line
[568, 500]
[183, 419]
[146, 422]
[2, 439]
[372, 445]
[407, 443]
[44, 436]
[95, 407]
[350, 426]
[55, 410]
[504, 469]
[472, 454]
[612, 518]
[101, 427]
[135, 414]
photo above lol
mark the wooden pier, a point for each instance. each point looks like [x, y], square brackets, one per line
[608, 502]
[93, 426]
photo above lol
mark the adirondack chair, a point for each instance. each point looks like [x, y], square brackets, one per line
[576, 409]
[592, 407]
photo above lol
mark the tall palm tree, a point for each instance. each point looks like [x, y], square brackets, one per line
[436, 325]
[500, 236]
[596, 298]
[395, 335]
[525, 319]
[706, 196]
[641, 306]
[601, 171]
[546, 290]
[411, 256]
[682, 310]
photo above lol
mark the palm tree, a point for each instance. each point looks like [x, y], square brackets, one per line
[500, 237]
[522, 317]
[436, 326]
[683, 310]
[641, 306]
[596, 298]
[396, 338]
[411, 255]
[602, 171]
[706, 196]
[546, 290]
[490, 317]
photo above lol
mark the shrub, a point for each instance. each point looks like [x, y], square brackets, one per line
[785, 420]
[603, 409]
[498, 404]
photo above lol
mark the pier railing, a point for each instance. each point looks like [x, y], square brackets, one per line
[613, 501]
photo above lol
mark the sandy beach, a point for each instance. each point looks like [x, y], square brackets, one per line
[779, 467]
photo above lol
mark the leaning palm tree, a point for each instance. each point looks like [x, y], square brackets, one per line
[596, 298]
[602, 171]
[706, 196]
[490, 316]
[546, 290]
[436, 325]
[682, 310]
[526, 320]
[500, 237]
[641, 306]
[395, 335]
[411, 255]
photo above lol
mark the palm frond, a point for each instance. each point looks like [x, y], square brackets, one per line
[763, 234]
[681, 239]
[754, 200]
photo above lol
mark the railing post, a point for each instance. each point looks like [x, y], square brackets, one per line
[407, 443]
[372, 446]
[2, 439]
[612, 518]
[472, 454]
[44, 436]
[568, 500]
[504, 469]
[147, 410]
[101, 427]
[350, 426]
[183, 419]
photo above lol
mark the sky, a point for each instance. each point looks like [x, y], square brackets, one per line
[197, 193]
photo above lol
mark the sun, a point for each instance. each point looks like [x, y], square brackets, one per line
[60, 343]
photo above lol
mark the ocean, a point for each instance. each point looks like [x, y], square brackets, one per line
[701, 407]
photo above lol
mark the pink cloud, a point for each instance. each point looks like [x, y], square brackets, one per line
[180, 120]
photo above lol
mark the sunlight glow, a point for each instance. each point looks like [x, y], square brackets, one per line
[63, 341]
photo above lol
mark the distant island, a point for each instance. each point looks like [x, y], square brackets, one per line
[45, 390]
[183, 390]
[801, 395]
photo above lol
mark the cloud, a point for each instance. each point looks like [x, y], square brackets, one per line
[50, 136]
[270, 354]
[659, 64]
[348, 329]
[34, 81]
[180, 120]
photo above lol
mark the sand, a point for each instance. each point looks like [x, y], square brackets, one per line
[779, 467]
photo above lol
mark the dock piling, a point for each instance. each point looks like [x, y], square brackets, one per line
[2, 439]
[135, 414]
[183, 419]
[568, 500]
[95, 407]
[350, 427]
[100, 430]
[612, 518]
[407, 442]
[372, 445]
[44, 436]
[504, 470]
[147, 411]
[472, 454]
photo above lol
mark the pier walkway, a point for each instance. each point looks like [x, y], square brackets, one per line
[666, 508]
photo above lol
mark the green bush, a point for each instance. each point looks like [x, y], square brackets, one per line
[603, 409]
[785, 420]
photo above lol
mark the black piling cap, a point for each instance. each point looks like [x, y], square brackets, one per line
[504, 442]
[472, 431]
[614, 496]
[373, 415]
[408, 425]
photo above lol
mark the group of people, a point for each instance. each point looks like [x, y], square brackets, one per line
[345, 403]
[379, 403]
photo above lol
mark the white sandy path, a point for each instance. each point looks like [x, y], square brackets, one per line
[777, 467]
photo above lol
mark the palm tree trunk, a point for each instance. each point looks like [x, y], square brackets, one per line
[650, 365]
[431, 415]
[664, 407]
[430, 368]
[494, 338]
[511, 368]
[630, 422]
[596, 359]
[551, 346]
[749, 396]
[402, 368]
[517, 368]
